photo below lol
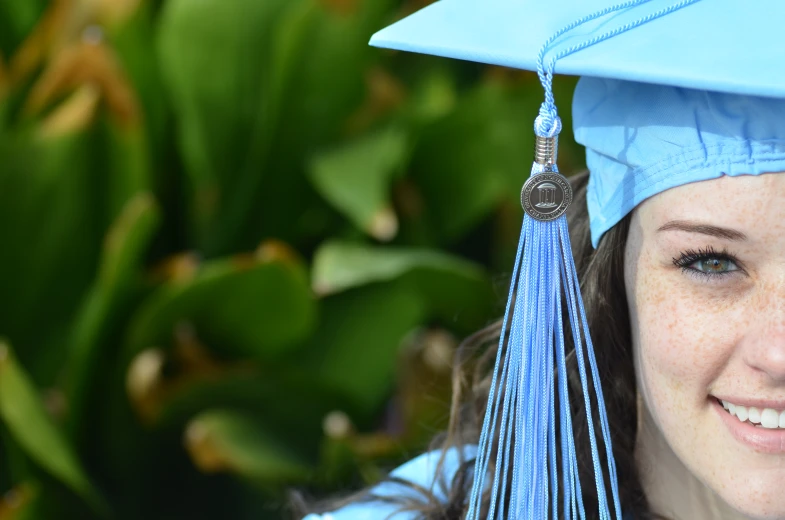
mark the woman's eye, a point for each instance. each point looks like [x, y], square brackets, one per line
[708, 262]
[714, 265]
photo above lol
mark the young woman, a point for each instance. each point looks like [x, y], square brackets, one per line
[678, 237]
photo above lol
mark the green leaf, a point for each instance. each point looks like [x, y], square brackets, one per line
[134, 42]
[257, 391]
[226, 64]
[127, 165]
[434, 96]
[342, 265]
[23, 413]
[121, 263]
[354, 350]
[356, 180]
[290, 40]
[468, 162]
[51, 190]
[453, 289]
[247, 307]
[17, 19]
[330, 83]
[321, 65]
[205, 50]
[127, 240]
[223, 440]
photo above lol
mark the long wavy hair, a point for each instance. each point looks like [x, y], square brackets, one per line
[601, 274]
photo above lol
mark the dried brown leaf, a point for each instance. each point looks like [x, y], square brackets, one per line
[276, 251]
[181, 267]
[74, 114]
[56, 27]
[86, 63]
[114, 12]
[14, 501]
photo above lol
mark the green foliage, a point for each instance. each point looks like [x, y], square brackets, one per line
[239, 247]
[356, 179]
[30, 426]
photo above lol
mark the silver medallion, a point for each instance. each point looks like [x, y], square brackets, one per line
[546, 196]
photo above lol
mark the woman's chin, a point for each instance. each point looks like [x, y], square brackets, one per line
[760, 511]
[760, 497]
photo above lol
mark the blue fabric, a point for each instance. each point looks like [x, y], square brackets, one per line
[420, 471]
[643, 139]
[719, 45]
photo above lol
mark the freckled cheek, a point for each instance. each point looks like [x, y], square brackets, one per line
[677, 333]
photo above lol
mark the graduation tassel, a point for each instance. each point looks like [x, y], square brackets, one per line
[517, 455]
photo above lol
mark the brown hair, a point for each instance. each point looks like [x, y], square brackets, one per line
[601, 273]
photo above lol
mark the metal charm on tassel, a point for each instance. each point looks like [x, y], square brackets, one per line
[547, 195]
[517, 476]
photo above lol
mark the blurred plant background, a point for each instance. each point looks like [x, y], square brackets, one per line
[238, 247]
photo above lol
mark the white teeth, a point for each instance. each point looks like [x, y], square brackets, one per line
[769, 418]
[762, 417]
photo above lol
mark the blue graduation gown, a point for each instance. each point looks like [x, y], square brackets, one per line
[420, 471]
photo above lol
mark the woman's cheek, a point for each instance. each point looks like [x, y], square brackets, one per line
[682, 324]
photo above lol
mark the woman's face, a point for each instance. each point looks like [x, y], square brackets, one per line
[705, 277]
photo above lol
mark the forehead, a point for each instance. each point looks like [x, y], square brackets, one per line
[754, 202]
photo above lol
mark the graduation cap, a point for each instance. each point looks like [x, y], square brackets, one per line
[671, 92]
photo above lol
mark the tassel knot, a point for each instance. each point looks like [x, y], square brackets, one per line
[548, 123]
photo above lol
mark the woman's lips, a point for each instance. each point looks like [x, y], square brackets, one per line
[765, 440]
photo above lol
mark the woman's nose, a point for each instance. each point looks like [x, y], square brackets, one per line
[765, 350]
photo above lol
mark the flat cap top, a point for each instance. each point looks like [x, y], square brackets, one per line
[732, 46]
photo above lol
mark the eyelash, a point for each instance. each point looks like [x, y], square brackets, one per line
[688, 258]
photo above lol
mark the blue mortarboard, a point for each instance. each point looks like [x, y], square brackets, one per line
[714, 46]
[671, 92]
[718, 45]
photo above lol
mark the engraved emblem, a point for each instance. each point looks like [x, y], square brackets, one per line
[545, 196]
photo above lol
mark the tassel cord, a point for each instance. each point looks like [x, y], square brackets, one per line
[546, 76]
[553, 471]
[512, 436]
[580, 328]
[545, 329]
[548, 110]
[535, 342]
[481, 462]
[604, 426]
[518, 342]
[572, 484]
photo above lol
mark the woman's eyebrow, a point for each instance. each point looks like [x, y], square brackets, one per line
[703, 229]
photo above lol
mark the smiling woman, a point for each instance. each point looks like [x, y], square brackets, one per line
[705, 282]
[674, 406]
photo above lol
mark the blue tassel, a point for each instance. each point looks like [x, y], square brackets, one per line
[518, 445]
